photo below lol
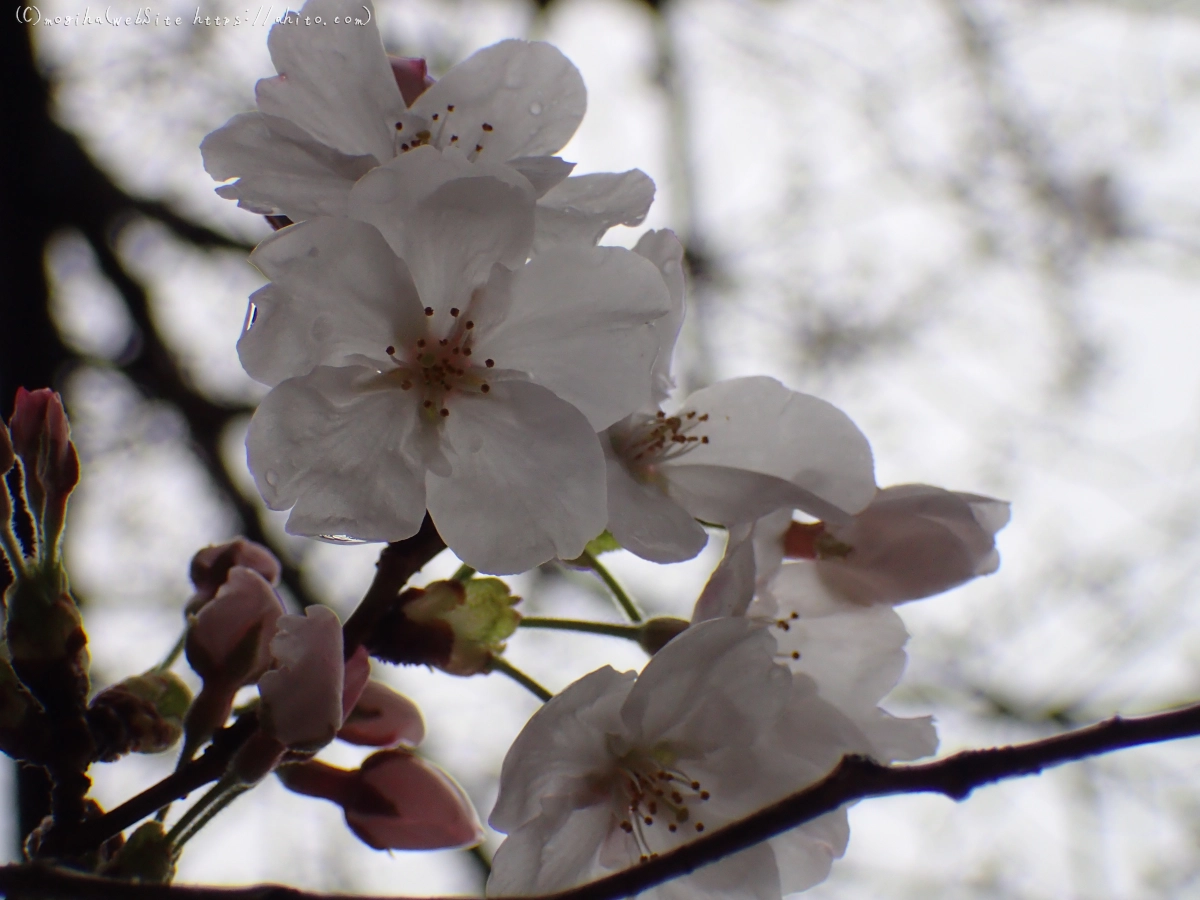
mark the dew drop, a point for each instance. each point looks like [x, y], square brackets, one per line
[272, 477]
[535, 108]
[339, 539]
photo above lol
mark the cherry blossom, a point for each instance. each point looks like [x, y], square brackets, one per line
[302, 691]
[382, 718]
[620, 767]
[428, 364]
[339, 107]
[211, 565]
[733, 452]
[912, 541]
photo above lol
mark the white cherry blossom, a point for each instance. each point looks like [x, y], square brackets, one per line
[733, 452]
[335, 111]
[617, 768]
[427, 364]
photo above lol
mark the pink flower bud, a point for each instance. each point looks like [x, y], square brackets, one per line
[383, 718]
[210, 567]
[912, 541]
[430, 810]
[302, 692]
[228, 645]
[41, 437]
[412, 77]
[396, 801]
[229, 638]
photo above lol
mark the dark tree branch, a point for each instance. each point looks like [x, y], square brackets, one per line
[855, 778]
[398, 562]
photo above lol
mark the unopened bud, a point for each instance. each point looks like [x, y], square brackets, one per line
[211, 566]
[142, 714]
[658, 632]
[383, 718]
[450, 625]
[41, 437]
[147, 856]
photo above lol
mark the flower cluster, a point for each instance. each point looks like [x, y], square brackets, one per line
[444, 335]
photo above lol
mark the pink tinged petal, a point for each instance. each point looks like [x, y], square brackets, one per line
[581, 209]
[758, 425]
[302, 693]
[281, 169]
[383, 718]
[542, 172]
[210, 567]
[339, 450]
[453, 234]
[528, 94]
[914, 541]
[334, 81]
[412, 76]
[338, 294]
[578, 322]
[645, 521]
[526, 479]
[730, 588]
[357, 677]
[558, 750]
[228, 638]
[431, 811]
[664, 250]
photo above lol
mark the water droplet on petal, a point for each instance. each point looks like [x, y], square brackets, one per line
[535, 108]
[339, 539]
[272, 477]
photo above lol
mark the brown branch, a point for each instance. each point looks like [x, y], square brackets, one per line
[398, 562]
[855, 778]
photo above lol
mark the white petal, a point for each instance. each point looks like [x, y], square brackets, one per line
[554, 851]
[529, 93]
[748, 875]
[450, 228]
[560, 745]
[543, 172]
[338, 293]
[334, 80]
[645, 521]
[728, 662]
[729, 496]
[581, 209]
[805, 855]
[758, 425]
[664, 250]
[577, 321]
[730, 588]
[338, 452]
[281, 169]
[526, 481]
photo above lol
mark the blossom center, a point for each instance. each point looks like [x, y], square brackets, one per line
[654, 795]
[442, 129]
[439, 367]
[657, 439]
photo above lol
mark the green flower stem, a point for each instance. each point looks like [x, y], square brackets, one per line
[627, 604]
[504, 668]
[173, 655]
[465, 573]
[218, 797]
[629, 632]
